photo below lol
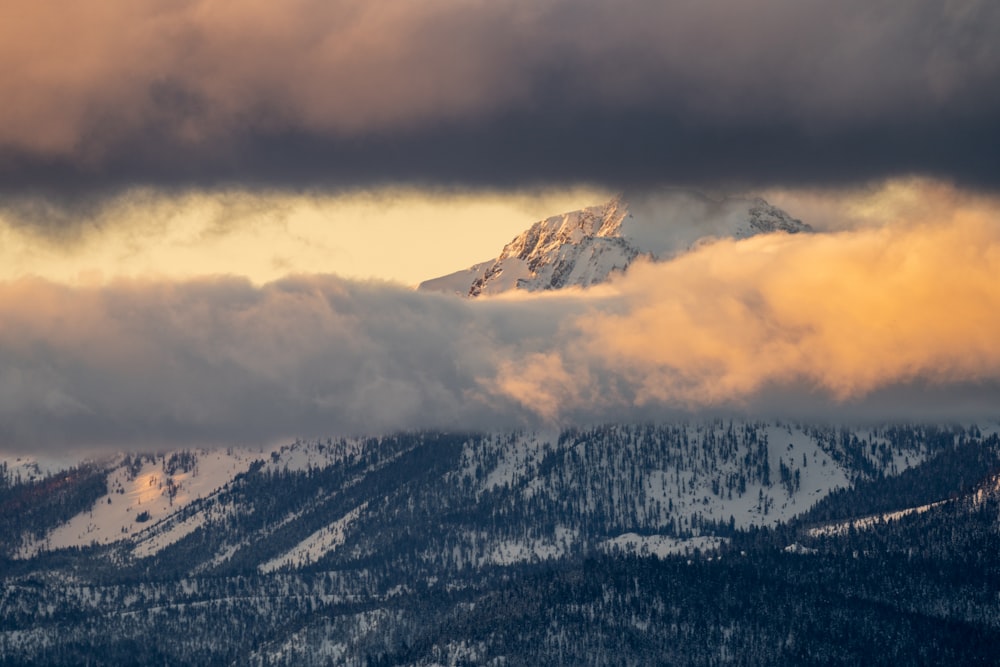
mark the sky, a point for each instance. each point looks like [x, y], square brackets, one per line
[213, 214]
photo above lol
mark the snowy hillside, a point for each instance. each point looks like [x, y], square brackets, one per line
[18, 468]
[512, 547]
[586, 247]
[677, 482]
[143, 491]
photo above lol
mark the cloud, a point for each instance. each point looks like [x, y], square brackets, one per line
[896, 321]
[348, 93]
[219, 360]
[844, 317]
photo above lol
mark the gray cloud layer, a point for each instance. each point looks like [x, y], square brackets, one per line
[886, 323]
[221, 361]
[449, 91]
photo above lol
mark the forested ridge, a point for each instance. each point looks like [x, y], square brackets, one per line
[703, 544]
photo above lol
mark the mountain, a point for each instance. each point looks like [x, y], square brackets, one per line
[633, 544]
[586, 247]
[706, 541]
[755, 474]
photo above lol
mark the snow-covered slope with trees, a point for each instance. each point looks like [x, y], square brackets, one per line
[557, 491]
[431, 548]
[143, 491]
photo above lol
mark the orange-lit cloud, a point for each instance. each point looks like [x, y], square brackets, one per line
[894, 320]
[353, 91]
[203, 69]
[843, 315]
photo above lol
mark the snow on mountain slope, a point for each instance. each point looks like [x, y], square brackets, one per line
[987, 490]
[865, 522]
[585, 247]
[142, 492]
[458, 282]
[322, 541]
[547, 494]
[22, 468]
[685, 489]
[149, 496]
[659, 545]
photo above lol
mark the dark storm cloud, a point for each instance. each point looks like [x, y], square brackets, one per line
[350, 93]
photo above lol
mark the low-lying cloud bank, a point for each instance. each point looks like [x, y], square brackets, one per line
[893, 322]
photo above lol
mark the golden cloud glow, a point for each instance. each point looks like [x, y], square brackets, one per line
[196, 68]
[898, 319]
[391, 234]
[846, 313]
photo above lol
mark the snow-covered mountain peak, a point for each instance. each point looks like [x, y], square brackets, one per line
[763, 218]
[585, 247]
[536, 243]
